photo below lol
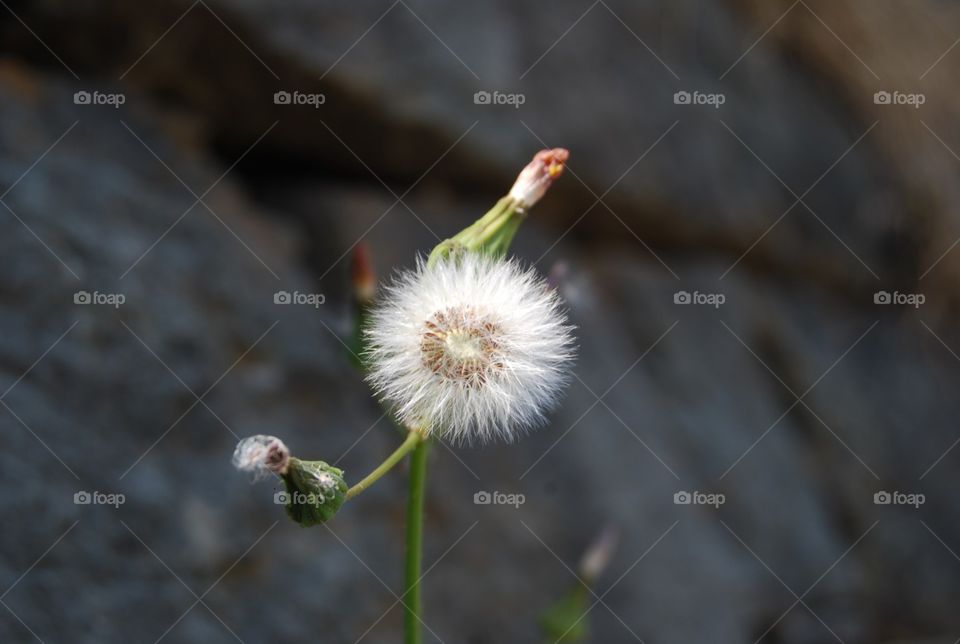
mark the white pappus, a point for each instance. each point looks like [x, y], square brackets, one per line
[469, 349]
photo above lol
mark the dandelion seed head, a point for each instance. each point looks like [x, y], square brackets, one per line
[460, 343]
[469, 349]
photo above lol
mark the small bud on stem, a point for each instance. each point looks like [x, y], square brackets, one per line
[362, 274]
[315, 491]
[492, 233]
[363, 280]
[539, 175]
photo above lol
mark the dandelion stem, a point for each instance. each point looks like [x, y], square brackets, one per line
[414, 438]
[414, 553]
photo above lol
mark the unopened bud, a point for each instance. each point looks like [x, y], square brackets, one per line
[315, 491]
[539, 175]
[492, 233]
[261, 454]
[362, 274]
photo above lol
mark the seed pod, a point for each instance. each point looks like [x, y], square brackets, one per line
[315, 491]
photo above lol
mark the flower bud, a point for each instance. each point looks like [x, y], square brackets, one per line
[363, 282]
[315, 491]
[539, 175]
[492, 233]
[363, 278]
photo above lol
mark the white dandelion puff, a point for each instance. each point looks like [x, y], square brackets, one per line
[470, 349]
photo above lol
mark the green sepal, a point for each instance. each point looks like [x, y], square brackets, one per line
[315, 491]
[491, 234]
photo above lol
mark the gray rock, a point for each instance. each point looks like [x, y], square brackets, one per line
[711, 407]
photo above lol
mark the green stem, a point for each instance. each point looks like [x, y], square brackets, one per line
[414, 438]
[414, 554]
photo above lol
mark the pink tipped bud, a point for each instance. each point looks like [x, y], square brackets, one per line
[261, 454]
[539, 175]
[362, 274]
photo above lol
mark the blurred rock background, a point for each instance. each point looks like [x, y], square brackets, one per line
[799, 199]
